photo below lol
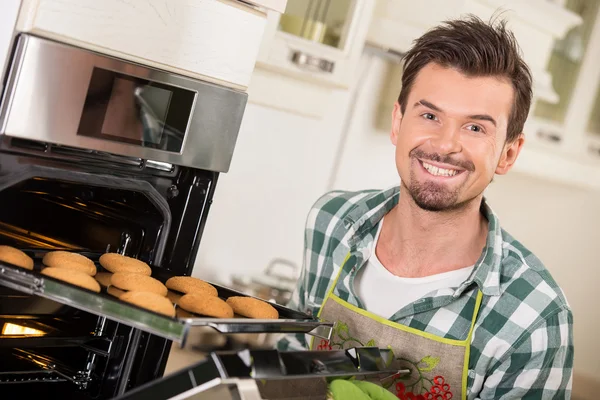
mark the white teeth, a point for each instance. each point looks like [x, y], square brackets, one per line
[437, 171]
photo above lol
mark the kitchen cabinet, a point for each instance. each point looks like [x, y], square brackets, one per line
[308, 52]
[570, 127]
[318, 41]
[214, 40]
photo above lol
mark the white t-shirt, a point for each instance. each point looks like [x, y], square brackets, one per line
[384, 293]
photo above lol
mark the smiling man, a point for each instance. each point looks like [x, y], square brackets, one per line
[425, 268]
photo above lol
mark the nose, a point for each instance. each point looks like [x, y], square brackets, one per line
[447, 140]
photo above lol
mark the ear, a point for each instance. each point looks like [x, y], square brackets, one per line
[396, 121]
[509, 155]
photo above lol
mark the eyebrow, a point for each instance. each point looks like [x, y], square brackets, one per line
[481, 117]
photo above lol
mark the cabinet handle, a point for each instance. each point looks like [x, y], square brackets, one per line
[311, 63]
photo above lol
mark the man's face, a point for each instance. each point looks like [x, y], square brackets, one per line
[450, 141]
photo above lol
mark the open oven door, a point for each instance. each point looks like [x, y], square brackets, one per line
[273, 375]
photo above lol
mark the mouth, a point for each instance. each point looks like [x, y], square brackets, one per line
[440, 171]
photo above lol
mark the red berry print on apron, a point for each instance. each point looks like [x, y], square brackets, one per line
[324, 345]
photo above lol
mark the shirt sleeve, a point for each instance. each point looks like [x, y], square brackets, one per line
[296, 341]
[540, 366]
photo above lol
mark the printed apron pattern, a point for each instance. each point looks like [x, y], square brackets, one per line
[438, 366]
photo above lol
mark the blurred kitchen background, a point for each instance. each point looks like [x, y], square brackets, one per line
[319, 116]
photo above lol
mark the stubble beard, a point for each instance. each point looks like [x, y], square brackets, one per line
[430, 196]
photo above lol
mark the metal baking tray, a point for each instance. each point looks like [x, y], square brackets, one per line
[298, 374]
[175, 329]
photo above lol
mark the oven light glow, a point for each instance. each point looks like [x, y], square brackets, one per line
[14, 329]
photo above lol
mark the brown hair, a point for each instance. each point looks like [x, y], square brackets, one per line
[475, 48]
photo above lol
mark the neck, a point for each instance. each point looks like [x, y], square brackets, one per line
[415, 242]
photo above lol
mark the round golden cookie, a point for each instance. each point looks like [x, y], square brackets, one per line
[113, 291]
[73, 277]
[206, 305]
[103, 278]
[150, 301]
[114, 262]
[16, 257]
[252, 308]
[189, 284]
[136, 282]
[67, 260]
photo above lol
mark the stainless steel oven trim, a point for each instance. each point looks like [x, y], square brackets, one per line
[46, 90]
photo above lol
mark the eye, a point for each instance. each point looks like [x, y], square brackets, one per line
[475, 128]
[429, 116]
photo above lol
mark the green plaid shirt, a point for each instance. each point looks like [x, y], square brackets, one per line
[522, 345]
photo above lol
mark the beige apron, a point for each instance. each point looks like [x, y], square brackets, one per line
[438, 366]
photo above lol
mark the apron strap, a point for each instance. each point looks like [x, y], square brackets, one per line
[465, 374]
[334, 284]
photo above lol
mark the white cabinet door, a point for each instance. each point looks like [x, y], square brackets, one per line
[317, 40]
[217, 40]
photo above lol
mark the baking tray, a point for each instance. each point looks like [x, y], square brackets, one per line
[299, 374]
[175, 329]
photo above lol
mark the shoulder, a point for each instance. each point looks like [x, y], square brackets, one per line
[529, 311]
[524, 276]
[334, 206]
[530, 299]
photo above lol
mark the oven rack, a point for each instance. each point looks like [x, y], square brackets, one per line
[41, 368]
[175, 329]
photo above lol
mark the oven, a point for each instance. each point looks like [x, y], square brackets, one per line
[100, 155]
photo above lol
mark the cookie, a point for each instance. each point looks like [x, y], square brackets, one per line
[210, 306]
[67, 260]
[73, 277]
[173, 296]
[103, 278]
[114, 262]
[150, 301]
[189, 284]
[252, 308]
[113, 291]
[136, 282]
[16, 257]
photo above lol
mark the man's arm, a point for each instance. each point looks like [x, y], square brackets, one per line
[297, 302]
[540, 366]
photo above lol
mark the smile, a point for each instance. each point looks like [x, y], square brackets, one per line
[438, 171]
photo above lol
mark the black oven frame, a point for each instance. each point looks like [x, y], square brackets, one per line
[135, 357]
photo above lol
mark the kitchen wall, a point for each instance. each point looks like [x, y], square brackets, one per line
[281, 165]
[284, 162]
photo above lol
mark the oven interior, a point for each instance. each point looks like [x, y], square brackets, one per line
[44, 213]
[51, 348]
